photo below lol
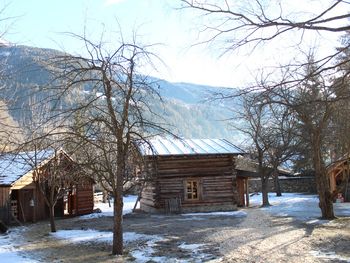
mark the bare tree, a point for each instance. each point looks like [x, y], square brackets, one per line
[113, 110]
[270, 129]
[243, 24]
[53, 178]
[282, 139]
[10, 132]
[312, 102]
[340, 125]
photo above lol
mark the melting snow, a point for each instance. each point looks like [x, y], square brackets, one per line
[299, 206]
[329, 255]
[5, 53]
[142, 253]
[129, 202]
[9, 253]
[90, 235]
[191, 246]
[230, 213]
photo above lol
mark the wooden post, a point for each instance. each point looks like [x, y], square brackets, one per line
[247, 192]
[21, 207]
[35, 199]
[347, 178]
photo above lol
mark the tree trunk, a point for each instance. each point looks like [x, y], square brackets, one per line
[52, 218]
[104, 196]
[118, 227]
[277, 184]
[118, 205]
[324, 193]
[322, 181]
[265, 191]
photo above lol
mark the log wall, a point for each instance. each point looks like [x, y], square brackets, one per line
[215, 174]
[85, 199]
[4, 195]
[5, 204]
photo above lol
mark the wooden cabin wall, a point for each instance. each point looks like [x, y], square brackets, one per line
[84, 199]
[41, 209]
[215, 173]
[148, 197]
[241, 191]
[5, 203]
[4, 195]
[337, 175]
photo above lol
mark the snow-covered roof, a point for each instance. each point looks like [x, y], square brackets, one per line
[15, 165]
[171, 146]
[246, 164]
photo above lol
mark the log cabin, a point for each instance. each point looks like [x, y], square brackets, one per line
[189, 175]
[20, 198]
[339, 179]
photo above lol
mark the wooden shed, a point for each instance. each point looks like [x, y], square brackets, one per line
[21, 200]
[339, 179]
[189, 175]
[247, 169]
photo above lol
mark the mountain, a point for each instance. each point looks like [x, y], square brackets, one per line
[186, 106]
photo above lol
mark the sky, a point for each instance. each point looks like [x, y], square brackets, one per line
[43, 23]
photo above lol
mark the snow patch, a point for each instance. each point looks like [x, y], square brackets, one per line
[193, 247]
[197, 254]
[5, 53]
[191, 219]
[231, 213]
[143, 252]
[299, 206]
[9, 253]
[90, 235]
[129, 203]
[317, 222]
[77, 236]
[329, 255]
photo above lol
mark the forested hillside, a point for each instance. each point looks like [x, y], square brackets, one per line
[185, 107]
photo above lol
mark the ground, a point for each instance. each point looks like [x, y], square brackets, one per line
[288, 231]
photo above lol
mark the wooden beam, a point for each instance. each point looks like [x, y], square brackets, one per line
[247, 192]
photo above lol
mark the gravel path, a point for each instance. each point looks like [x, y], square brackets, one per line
[263, 238]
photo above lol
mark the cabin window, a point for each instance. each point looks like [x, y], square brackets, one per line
[192, 190]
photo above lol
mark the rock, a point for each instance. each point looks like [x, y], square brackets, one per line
[97, 210]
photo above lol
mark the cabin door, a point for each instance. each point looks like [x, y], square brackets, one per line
[72, 201]
[25, 205]
[242, 189]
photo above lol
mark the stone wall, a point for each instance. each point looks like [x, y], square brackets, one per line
[305, 184]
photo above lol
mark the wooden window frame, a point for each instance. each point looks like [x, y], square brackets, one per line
[199, 191]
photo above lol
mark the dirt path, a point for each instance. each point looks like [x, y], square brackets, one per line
[263, 238]
[258, 237]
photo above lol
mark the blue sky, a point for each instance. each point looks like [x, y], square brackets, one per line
[41, 23]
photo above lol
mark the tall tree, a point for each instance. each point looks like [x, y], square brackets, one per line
[113, 100]
[270, 129]
[341, 89]
[312, 101]
[242, 24]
